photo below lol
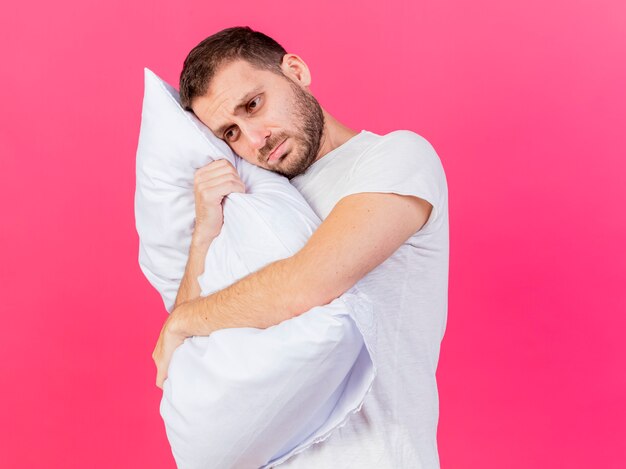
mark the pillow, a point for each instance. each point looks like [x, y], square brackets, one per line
[241, 397]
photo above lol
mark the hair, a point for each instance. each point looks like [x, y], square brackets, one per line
[226, 46]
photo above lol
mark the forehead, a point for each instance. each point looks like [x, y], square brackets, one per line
[231, 86]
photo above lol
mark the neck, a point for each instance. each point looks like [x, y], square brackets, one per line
[334, 135]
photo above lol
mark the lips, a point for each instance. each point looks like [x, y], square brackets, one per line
[276, 152]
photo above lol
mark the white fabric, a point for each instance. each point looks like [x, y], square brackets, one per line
[396, 427]
[242, 397]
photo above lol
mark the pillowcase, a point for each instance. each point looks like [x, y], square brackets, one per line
[241, 397]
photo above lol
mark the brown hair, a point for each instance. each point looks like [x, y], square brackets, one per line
[239, 42]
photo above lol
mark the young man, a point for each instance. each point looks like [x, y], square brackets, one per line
[383, 202]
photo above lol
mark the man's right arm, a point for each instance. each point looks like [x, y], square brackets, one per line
[211, 184]
[189, 288]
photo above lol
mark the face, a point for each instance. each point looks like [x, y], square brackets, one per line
[256, 112]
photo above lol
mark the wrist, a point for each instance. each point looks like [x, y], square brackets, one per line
[175, 324]
[188, 320]
[201, 240]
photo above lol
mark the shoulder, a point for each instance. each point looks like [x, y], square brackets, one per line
[407, 136]
[402, 150]
[405, 141]
[401, 162]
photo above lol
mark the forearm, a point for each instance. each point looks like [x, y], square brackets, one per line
[189, 288]
[279, 291]
[360, 233]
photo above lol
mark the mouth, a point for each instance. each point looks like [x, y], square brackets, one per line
[276, 152]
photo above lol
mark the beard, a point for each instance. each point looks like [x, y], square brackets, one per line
[309, 122]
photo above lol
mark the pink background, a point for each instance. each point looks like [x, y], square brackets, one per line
[526, 106]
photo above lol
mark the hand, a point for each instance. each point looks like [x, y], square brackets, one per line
[211, 184]
[168, 341]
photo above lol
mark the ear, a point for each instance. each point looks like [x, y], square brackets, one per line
[296, 69]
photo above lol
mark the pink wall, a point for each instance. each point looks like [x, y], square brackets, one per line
[526, 106]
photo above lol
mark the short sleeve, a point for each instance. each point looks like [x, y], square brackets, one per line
[404, 163]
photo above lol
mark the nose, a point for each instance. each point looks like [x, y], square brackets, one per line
[257, 134]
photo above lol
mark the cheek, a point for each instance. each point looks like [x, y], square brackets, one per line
[284, 117]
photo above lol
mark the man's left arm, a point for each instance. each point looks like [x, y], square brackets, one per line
[361, 231]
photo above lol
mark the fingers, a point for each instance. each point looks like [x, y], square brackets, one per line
[161, 368]
[216, 180]
[209, 196]
[215, 168]
[159, 380]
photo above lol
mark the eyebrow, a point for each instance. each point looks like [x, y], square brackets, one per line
[243, 101]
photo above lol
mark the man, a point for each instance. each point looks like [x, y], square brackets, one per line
[383, 202]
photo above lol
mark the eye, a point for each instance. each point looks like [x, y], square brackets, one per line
[255, 100]
[251, 106]
[228, 133]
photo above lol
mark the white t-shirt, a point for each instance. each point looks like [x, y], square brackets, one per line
[397, 424]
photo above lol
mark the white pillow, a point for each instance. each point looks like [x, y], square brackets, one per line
[241, 397]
